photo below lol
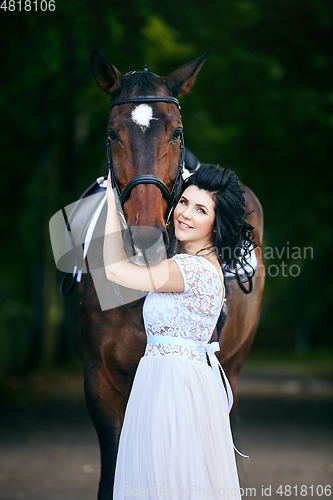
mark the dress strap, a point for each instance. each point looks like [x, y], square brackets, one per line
[210, 350]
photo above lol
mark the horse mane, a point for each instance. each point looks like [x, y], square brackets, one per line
[143, 82]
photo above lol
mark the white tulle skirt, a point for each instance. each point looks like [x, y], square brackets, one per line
[176, 440]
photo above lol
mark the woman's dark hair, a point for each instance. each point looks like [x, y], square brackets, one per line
[233, 237]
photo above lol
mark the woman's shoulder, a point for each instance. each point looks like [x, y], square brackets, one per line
[193, 259]
[201, 278]
[198, 260]
[198, 265]
[187, 258]
[188, 264]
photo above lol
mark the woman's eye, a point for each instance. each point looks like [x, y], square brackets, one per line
[183, 202]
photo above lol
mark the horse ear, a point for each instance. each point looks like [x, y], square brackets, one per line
[182, 79]
[107, 77]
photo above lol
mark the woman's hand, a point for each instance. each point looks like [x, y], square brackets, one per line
[110, 196]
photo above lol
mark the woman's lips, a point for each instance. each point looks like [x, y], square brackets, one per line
[183, 225]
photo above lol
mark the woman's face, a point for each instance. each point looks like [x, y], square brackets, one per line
[194, 218]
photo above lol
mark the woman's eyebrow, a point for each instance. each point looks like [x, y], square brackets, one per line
[197, 204]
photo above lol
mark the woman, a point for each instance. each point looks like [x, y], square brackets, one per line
[176, 438]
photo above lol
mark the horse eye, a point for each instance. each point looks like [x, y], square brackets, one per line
[176, 134]
[113, 135]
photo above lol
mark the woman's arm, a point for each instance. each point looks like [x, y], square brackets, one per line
[164, 277]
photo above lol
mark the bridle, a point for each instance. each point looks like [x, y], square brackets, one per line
[170, 197]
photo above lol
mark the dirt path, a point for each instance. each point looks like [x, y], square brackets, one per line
[49, 451]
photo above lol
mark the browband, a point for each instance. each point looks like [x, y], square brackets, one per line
[144, 98]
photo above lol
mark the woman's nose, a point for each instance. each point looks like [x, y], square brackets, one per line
[187, 213]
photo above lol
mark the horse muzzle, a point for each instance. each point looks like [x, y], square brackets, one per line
[145, 245]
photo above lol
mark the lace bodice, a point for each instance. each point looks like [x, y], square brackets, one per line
[191, 314]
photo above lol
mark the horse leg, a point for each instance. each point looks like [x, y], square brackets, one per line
[106, 407]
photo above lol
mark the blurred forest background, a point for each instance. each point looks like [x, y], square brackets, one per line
[262, 106]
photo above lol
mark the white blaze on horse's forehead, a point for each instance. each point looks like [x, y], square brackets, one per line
[142, 116]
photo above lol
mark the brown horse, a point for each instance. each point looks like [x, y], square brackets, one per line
[113, 341]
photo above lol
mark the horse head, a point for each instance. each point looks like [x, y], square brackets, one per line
[145, 144]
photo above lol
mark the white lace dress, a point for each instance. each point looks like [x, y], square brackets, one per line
[176, 440]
